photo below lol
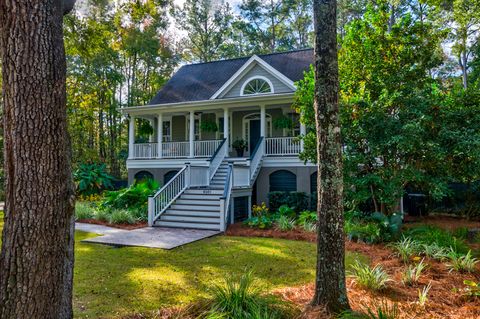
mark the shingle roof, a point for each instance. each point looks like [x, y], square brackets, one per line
[197, 82]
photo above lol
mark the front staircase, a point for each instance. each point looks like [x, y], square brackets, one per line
[197, 207]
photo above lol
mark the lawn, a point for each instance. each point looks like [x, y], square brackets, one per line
[110, 282]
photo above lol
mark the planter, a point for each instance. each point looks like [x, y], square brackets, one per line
[240, 152]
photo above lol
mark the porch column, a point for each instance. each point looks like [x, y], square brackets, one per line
[151, 138]
[192, 133]
[159, 135]
[262, 121]
[303, 131]
[131, 137]
[225, 125]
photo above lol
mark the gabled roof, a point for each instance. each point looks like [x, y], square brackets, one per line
[198, 82]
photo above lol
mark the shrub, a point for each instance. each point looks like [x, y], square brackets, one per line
[260, 210]
[102, 215]
[285, 223]
[310, 227]
[434, 235]
[307, 217]
[375, 278]
[133, 198]
[389, 225]
[412, 274]
[121, 216]
[461, 263]
[405, 248]
[239, 298]
[286, 211]
[433, 251]
[298, 201]
[262, 222]
[92, 178]
[84, 210]
[366, 232]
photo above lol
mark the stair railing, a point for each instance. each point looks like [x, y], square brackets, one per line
[256, 159]
[158, 203]
[217, 158]
[226, 197]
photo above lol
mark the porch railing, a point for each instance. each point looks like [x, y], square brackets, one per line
[145, 150]
[256, 159]
[158, 203]
[282, 146]
[206, 148]
[175, 149]
[217, 157]
[225, 199]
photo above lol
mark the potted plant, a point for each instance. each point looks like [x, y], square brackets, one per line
[209, 126]
[239, 145]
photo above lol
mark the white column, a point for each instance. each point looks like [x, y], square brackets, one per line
[303, 131]
[192, 133]
[159, 135]
[262, 121]
[152, 136]
[131, 137]
[225, 125]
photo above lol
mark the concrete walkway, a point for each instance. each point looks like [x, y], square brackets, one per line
[152, 237]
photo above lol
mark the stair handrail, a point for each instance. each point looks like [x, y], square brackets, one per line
[256, 158]
[217, 158]
[158, 203]
[225, 199]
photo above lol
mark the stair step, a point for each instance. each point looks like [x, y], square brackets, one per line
[187, 225]
[208, 191]
[190, 219]
[172, 212]
[197, 201]
[195, 207]
[209, 197]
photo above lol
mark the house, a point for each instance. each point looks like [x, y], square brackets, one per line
[199, 118]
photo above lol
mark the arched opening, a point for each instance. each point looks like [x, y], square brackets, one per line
[168, 176]
[143, 175]
[283, 181]
[251, 129]
[257, 85]
[313, 182]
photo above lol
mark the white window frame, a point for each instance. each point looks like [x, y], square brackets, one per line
[246, 126]
[257, 77]
[167, 137]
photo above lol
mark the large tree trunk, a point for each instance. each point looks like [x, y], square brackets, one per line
[36, 259]
[330, 289]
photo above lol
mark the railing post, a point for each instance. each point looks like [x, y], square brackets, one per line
[222, 214]
[151, 210]
[188, 175]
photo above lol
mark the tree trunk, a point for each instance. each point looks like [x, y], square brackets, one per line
[36, 261]
[330, 289]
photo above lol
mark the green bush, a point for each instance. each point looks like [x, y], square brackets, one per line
[262, 222]
[310, 227]
[284, 223]
[84, 210]
[434, 235]
[238, 298]
[374, 279]
[92, 179]
[298, 201]
[362, 231]
[134, 199]
[461, 263]
[307, 217]
[102, 215]
[121, 216]
[406, 249]
[286, 211]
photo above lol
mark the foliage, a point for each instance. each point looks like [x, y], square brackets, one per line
[307, 217]
[412, 274]
[284, 223]
[365, 232]
[298, 201]
[84, 210]
[209, 126]
[382, 311]
[239, 298]
[134, 199]
[310, 227]
[372, 228]
[286, 211]
[121, 216]
[92, 178]
[430, 235]
[374, 279]
[433, 251]
[262, 222]
[423, 294]
[260, 210]
[406, 249]
[472, 288]
[239, 144]
[461, 263]
[283, 122]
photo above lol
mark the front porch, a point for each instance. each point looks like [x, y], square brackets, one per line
[199, 134]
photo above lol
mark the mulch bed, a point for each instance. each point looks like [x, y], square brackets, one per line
[120, 226]
[445, 222]
[445, 299]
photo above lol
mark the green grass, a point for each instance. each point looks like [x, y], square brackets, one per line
[111, 282]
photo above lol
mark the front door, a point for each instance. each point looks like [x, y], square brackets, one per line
[254, 134]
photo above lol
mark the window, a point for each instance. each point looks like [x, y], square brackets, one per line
[167, 131]
[196, 128]
[283, 181]
[257, 85]
[295, 130]
[143, 175]
[168, 176]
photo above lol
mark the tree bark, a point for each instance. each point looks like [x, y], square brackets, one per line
[330, 287]
[36, 261]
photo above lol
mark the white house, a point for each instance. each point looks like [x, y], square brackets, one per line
[198, 116]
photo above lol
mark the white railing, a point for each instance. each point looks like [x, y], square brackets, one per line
[175, 149]
[256, 159]
[145, 150]
[217, 158]
[282, 146]
[206, 148]
[225, 199]
[158, 203]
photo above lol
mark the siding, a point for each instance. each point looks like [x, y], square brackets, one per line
[178, 128]
[257, 70]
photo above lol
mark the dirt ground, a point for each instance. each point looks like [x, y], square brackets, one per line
[120, 226]
[446, 297]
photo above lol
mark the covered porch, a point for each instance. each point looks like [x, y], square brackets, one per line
[199, 132]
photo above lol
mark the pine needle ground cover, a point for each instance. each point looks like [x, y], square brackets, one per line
[114, 282]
